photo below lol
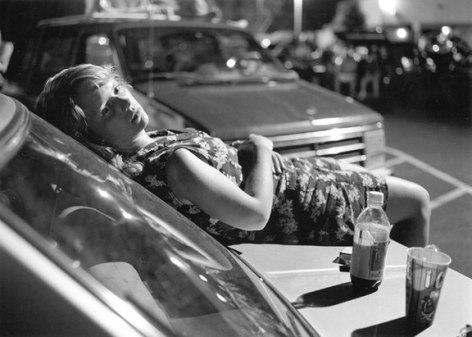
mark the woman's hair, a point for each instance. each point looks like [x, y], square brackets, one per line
[56, 104]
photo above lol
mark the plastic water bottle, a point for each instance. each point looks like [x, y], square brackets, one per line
[371, 239]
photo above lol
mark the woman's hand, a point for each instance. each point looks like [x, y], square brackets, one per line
[246, 207]
[254, 143]
[248, 147]
[249, 150]
[278, 164]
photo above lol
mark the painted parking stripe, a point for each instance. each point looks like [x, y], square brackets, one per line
[461, 187]
[448, 197]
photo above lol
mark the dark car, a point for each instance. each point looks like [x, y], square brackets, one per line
[84, 251]
[449, 55]
[213, 77]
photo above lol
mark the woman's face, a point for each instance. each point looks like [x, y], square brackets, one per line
[111, 111]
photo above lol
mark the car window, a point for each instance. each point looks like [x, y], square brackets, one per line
[22, 60]
[55, 53]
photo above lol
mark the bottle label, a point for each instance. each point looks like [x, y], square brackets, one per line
[378, 253]
[368, 258]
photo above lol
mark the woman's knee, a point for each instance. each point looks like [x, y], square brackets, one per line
[424, 198]
[423, 203]
[408, 199]
[409, 211]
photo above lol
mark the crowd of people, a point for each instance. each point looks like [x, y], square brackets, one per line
[365, 69]
[350, 70]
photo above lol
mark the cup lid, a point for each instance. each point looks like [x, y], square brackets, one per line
[429, 255]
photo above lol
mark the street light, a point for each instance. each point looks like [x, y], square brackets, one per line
[389, 7]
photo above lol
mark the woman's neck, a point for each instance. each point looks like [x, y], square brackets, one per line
[136, 144]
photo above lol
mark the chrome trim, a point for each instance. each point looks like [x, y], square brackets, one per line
[341, 149]
[325, 135]
[352, 145]
[12, 133]
[333, 151]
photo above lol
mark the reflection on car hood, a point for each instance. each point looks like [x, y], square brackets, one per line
[232, 111]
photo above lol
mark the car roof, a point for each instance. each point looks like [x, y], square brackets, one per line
[105, 19]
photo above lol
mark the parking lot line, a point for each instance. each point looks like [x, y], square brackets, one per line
[461, 187]
[448, 197]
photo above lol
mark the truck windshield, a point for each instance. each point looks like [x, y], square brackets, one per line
[219, 54]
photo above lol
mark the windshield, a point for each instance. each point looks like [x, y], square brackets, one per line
[218, 54]
[134, 244]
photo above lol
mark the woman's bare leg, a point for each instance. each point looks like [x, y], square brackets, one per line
[409, 211]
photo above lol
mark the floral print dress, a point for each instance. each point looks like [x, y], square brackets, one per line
[315, 202]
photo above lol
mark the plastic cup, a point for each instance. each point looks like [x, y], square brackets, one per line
[425, 273]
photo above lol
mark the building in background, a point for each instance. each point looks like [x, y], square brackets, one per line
[422, 16]
[417, 11]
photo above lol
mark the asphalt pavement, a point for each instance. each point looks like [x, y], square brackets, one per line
[434, 150]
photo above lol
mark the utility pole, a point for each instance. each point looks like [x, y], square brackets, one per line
[297, 18]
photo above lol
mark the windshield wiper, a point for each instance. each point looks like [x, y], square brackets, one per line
[262, 79]
[163, 76]
[193, 79]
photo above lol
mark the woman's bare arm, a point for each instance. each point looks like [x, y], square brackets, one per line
[192, 179]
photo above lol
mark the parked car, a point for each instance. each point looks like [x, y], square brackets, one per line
[449, 55]
[213, 77]
[84, 251]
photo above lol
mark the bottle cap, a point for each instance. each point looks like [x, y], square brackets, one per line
[375, 198]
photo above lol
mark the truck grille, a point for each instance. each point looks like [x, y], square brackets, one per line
[362, 145]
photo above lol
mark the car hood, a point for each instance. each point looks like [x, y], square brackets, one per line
[127, 238]
[233, 111]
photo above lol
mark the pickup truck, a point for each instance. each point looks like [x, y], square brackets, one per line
[209, 76]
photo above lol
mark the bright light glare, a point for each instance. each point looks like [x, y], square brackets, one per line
[126, 215]
[406, 63]
[177, 262]
[231, 63]
[104, 194]
[402, 33]
[446, 30]
[265, 43]
[388, 6]
[103, 41]
[221, 298]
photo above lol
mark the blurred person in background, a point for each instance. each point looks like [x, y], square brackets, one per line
[345, 68]
[369, 73]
